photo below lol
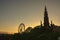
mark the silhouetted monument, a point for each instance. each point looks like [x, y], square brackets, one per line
[46, 19]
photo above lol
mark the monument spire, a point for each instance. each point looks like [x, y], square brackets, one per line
[46, 19]
[41, 23]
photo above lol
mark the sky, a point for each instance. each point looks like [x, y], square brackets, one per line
[29, 12]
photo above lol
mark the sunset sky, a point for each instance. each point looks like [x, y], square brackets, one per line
[29, 12]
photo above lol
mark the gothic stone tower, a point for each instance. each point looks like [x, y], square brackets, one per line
[46, 19]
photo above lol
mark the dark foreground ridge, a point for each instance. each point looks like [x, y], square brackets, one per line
[33, 34]
[45, 31]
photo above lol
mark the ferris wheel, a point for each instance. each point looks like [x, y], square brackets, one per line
[21, 28]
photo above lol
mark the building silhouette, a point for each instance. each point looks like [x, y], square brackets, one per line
[46, 18]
